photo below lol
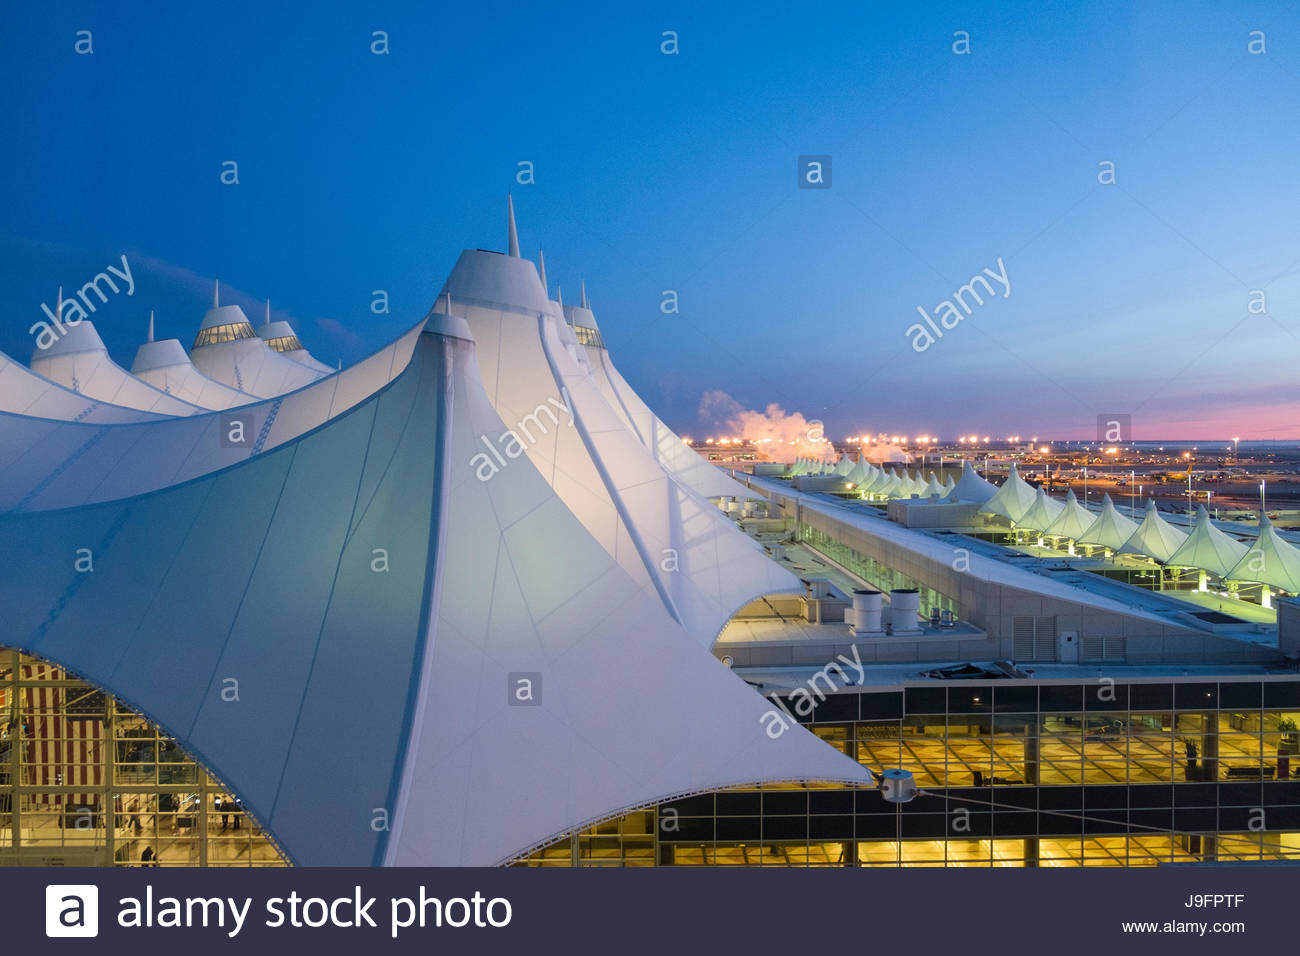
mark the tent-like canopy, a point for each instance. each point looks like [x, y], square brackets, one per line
[1111, 529]
[1073, 520]
[228, 350]
[580, 333]
[1208, 549]
[166, 365]
[660, 530]
[949, 486]
[281, 337]
[861, 474]
[1041, 513]
[843, 466]
[482, 582]
[972, 487]
[1269, 560]
[892, 486]
[79, 360]
[23, 392]
[1013, 499]
[933, 488]
[1155, 537]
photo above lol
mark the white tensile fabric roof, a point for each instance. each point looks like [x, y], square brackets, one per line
[667, 448]
[862, 474]
[78, 360]
[1111, 529]
[843, 466]
[1269, 560]
[58, 464]
[1073, 521]
[1155, 537]
[1041, 513]
[480, 580]
[889, 485]
[907, 485]
[1013, 499]
[23, 392]
[933, 488]
[280, 329]
[165, 365]
[659, 529]
[605, 650]
[972, 487]
[949, 486]
[248, 364]
[1208, 549]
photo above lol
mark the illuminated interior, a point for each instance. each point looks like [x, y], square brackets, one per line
[284, 343]
[224, 333]
[85, 781]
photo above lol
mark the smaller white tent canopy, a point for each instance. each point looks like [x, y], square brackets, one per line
[879, 483]
[1073, 520]
[1208, 549]
[859, 474]
[949, 486]
[23, 392]
[1270, 560]
[165, 365]
[844, 466]
[887, 485]
[933, 488]
[228, 350]
[916, 485]
[78, 360]
[972, 487]
[1013, 499]
[1041, 513]
[1155, 537]
[1111, 529]
[281, 337]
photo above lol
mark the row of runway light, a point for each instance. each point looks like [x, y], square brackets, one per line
[1268, 560]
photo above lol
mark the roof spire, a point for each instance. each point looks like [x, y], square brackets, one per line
[541, 265]
[448, 294]
[216, 293]
[559, 297]
[583, 301]
[150, 339]
[58, 308]
[512, 236]
[268, 311]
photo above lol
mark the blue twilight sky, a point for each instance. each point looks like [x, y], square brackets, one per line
[360, 172]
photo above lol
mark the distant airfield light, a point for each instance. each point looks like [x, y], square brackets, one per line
[1044, 450]
[1112, 450]
[687, 441]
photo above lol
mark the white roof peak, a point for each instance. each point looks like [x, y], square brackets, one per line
[512, 234]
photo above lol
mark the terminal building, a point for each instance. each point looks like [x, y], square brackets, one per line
[471, 602]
